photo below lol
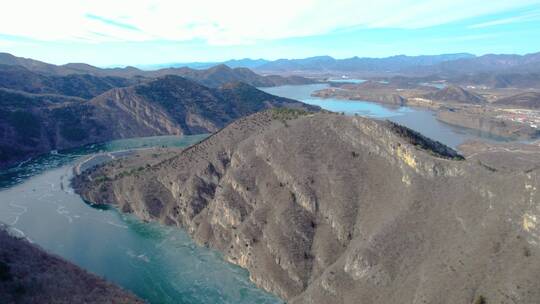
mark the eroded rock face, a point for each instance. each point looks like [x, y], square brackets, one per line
[323, 208]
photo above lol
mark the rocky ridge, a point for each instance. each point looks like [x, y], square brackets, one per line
[323, 208]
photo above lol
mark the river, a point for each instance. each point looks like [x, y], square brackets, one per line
[160, 264]
[421, 120]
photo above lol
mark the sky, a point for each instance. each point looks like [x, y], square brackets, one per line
[142, 32]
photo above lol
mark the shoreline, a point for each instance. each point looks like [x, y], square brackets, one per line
[496, 121]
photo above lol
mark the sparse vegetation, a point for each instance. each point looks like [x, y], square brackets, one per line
[285, 114]
[480, 300]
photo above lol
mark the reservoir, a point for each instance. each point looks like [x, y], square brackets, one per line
[159, 264]
[418, 119]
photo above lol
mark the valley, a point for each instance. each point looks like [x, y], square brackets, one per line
[44, 116]
[318, 180]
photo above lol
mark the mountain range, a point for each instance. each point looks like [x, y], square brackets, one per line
[491, 63]
[445, 65]
[329, 64]
[213, 77]
[32, 124]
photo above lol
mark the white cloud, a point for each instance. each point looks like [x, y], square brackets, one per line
[226, 22]
[510, 20]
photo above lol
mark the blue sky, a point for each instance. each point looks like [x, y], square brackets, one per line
[122, 32]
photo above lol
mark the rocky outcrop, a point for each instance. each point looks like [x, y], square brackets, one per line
[323, 208]
[30, 275]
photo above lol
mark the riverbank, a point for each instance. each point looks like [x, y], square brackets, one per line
[159, 264]
[453, 105]
[30, 275]
[421, 119]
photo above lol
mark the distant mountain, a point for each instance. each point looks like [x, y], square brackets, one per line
[78, 85]
[455, 94]
[499, 79]
[67, 69]
[223, 74]
[490, 63]
[30, 64]
[31, 124]
[357, 64]
[246, 63]
[329, 64]
[234, 63]
[214, 76]
[446, 65]
[529, 100]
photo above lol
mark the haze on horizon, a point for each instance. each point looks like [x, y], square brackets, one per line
[106, 33]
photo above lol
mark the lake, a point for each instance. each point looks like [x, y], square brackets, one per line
[418, 119]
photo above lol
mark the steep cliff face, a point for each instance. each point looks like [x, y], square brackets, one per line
[31, 124]
[323, 208]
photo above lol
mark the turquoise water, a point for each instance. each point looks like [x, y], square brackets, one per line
[160, 264]
[56, 159]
